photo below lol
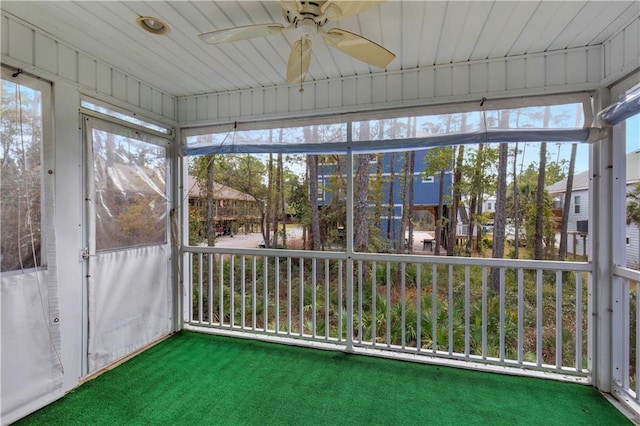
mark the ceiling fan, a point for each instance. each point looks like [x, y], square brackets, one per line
[308, 17]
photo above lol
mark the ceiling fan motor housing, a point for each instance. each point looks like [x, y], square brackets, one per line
[296, 13]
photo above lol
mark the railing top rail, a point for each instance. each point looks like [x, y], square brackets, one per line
[310, 254]
[404, 258]
[628, 273]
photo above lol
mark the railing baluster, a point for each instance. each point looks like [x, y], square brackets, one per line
[243, 292]
[579, 321]
[210, 286]
[200, 290]
[637, 369]
[360, 284]
[314, 273]
[467, 313]
[288, 296]
[301, 300]
[232, 291]
[277, 295]
[190, 293]
[254, 302]
[539, 318]
[374, 315]
[484, 312]
[502, 313]
[327, 326]
[221, 291]
[388, 318]
[558, 319]
[265, 293]
[450, 309]
[418, 307]
[403, 302]
[340, 284]
[520, 316]
[434, 309]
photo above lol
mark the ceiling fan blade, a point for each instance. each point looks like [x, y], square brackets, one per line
[241, 33]
[346, 8]
[299, 59]
[358, 47]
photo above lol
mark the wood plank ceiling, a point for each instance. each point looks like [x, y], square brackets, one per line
[420, 33]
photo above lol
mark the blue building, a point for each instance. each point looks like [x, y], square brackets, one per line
[425, 189]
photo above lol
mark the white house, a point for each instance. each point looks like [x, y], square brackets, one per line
[579, 212]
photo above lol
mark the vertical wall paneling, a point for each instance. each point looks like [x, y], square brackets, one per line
[594, 65]
[67, 65]
[322, 94]
[516, 74]
[295, 98]
[378, 88]
[4, 35]
[202, 108]
[309, 98]
[234, 104]
[555, 70]
[257, 99]
[478, 78]
[394, 87]
[223, 105]
[410, 85]
[20, 42]
[190, 109]
[335, 93]
[133, 91]
[282, 99]
[145, 97]
[46, 53]
[460, 77]
[576, 67]
[118, 85]
[632, 44]
[535, 71]
[104, 78]
[245, 109]
[212, 106]
[497, 76]
[270, 100]
[156, 102]
[616, 60]
[427, 83]
[364, 90]
[443, 82]
[349, 92]
[87, 71]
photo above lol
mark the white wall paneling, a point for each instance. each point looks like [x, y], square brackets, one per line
[38, 53]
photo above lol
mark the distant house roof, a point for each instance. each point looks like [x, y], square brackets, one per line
[581, 180]
[222, 192]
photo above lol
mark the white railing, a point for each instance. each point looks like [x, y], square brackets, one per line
[626, 385]
[534, 317]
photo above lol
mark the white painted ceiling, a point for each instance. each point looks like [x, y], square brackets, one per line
[420, 33]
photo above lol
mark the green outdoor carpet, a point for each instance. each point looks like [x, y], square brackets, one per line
[193, 379]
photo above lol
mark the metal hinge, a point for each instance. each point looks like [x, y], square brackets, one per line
[84, 253]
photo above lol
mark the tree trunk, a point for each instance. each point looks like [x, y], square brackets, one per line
[537, 248]
[269, 242]
[562, 250]
[516, 213]
[412, 163]
[453, 220]
[361, 224]
[211, 205]
[440, 213]
[283, 213]
[501, 210]
[390, 210]
[400, 238]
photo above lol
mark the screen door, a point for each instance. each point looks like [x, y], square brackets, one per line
[127, 253]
